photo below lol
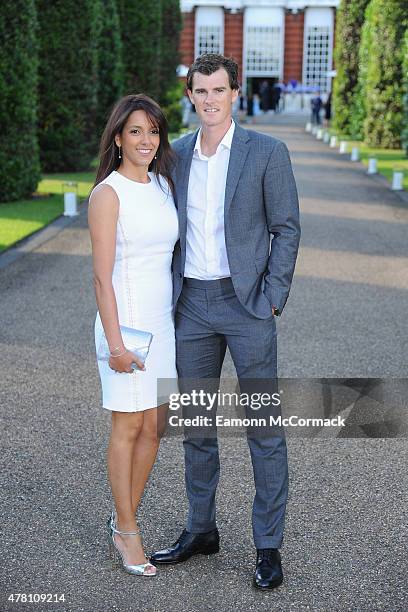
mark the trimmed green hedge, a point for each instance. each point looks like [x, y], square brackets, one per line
[110, 64]
[60, 77]
[169, 44]
[349, 21]
[68, 83]
[171, 90]
[359, 98]
[384, 87]
[405, 86]
[19, 155]
[141, 30]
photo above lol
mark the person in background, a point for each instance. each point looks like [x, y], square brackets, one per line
[316, 104]
[276, 97]
[250, 108]
[327, 111]
[264, 93]
[257, 105]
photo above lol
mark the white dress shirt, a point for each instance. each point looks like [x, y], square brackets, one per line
[206, 253]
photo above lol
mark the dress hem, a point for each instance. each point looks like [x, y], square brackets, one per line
[137, 410]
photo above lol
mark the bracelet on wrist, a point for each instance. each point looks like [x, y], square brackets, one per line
[119, 354]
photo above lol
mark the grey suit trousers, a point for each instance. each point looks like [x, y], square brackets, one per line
[209, 317]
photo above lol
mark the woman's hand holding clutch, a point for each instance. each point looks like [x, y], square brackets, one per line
[122, 359]
[126, 362]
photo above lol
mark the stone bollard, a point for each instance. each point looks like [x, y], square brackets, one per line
[70, 199]
[397, 178]
[372, 166]
[355, 154]
[314, 130]
[333, 142]
[326, 137]
[319, 134]
[308, 127]
[343, 147]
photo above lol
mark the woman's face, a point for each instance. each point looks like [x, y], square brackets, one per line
[139, 139]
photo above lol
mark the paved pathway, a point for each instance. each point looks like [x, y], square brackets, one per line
[345, 542]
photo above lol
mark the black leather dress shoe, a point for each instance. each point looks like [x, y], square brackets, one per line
[186, 546]
[268, 573]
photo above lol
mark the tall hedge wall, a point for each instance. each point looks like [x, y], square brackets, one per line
[171, 91]
[141, 39]
[405, 99]
[383, 124]
[110, 64]
[169, 44]
[19, 155]
[349, 21]
[68, 83]
[358, 103]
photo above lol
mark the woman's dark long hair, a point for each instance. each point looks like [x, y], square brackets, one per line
[109, 152]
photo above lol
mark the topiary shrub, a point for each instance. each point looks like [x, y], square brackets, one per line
[383, 124]
[349, 21]
[171, 106]
[19, 154]
[110, 64]
[140, 24]
[405, 97]
[68, 83]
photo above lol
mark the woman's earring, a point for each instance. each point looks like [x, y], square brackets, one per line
[120, 156]
[155, 157]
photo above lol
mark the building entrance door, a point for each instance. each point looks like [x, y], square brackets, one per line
[265, 90]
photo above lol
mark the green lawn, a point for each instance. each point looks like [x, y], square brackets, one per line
[20, 219]
[388, 160]
[54, 183]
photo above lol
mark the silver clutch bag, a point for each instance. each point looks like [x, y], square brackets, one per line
[135, 340]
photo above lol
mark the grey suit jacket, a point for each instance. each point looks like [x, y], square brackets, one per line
[261, 203]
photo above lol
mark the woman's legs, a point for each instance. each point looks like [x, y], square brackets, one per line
[126, 427]
[145, 450]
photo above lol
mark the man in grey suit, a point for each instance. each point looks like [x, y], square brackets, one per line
[232, 271]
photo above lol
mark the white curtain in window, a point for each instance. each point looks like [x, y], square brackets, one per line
[209, 30]
[263, 41]
[318, 45]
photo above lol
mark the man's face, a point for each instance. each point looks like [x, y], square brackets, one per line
[212, 97]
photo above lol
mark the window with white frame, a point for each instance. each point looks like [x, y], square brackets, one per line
[209, 39]
[263, 41]
[317, 56]
[209, 30]
[263, 49]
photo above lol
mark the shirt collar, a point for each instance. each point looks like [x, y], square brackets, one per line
[225, 142]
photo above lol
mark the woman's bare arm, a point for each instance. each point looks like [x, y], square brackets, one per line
[102, 219]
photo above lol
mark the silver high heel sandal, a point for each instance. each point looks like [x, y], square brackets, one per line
[143, 569]
[110, 523]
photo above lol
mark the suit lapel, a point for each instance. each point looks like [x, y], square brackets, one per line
[186, 155]
[238, 155]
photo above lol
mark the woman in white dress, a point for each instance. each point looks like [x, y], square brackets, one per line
[133, 226]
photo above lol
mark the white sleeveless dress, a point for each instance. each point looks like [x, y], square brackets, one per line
[147, 231]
